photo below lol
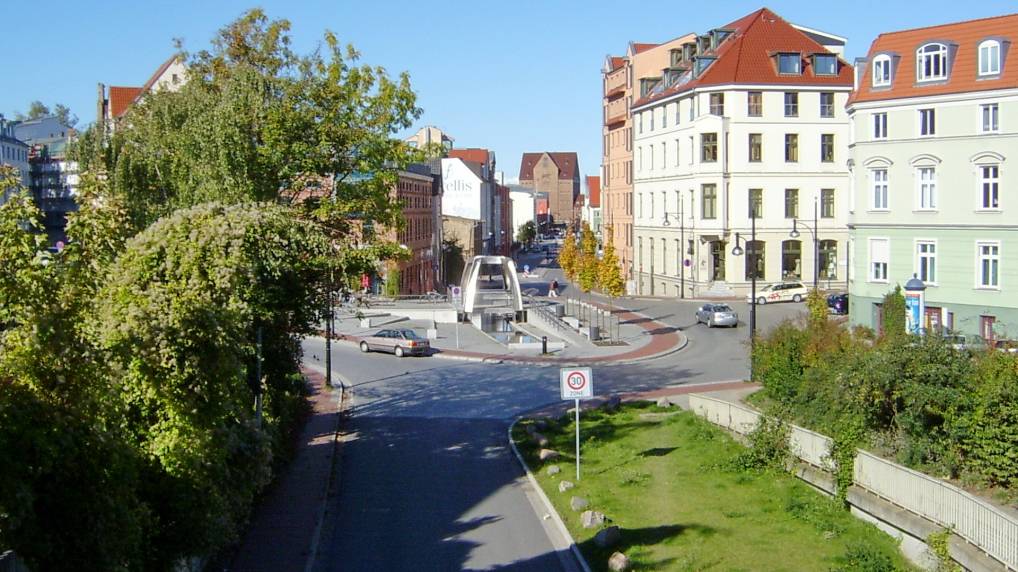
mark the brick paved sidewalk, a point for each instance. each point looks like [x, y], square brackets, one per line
[285, 524]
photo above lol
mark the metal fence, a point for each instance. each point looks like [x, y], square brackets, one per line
[987, 527]
[982, 524]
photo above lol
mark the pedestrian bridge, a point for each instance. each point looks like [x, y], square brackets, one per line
[490, 282]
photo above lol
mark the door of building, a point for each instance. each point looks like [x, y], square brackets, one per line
[986, 327]
[933, 321]
[717, 258]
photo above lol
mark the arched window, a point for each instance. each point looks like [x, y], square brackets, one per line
[931, 62]
[989, 57]
[881, 71]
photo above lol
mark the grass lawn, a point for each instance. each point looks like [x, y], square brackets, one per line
[660, 476]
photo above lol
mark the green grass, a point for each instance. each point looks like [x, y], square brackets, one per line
[659, 475]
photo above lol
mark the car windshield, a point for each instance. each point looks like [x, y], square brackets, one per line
[767, 288]
[722, 308]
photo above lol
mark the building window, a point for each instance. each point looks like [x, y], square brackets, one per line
[927, 188]
[709, 147]
[790, 64]
[881, 71]
[791, 259]
[989, 57]
[989, 181]
[927, 122]
[880, 254]
[755, 147]
[791, 148]
[756, 258]
[926, 261]
[664, 117]
[677, 115]
[989, 264]
[880, 125]
[754, 107]
[639, 123]
[709, 201]
[827, 148]
[791, 104]
[651, 114]
[678, 152]
[825, 64]
[826, 104]
[880, 189]
[828, 259]
[717, 104]
[990, 117]
[651, 158]
[826, 203]
[755, 203]
[931, 62]
[791, 203]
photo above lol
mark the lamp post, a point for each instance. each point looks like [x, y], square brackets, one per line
[682, 248]
[738, 251]
[816, 250]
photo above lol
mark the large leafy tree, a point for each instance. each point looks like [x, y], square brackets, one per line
[609, 273]
[587, 263]
[568, 254]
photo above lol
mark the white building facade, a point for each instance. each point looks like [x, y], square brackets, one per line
[467, 193]
[524, 208]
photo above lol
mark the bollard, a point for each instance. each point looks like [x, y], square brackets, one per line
[544, 344]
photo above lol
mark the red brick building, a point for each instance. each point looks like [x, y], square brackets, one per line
[417, 273]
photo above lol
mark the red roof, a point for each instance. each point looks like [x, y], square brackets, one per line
[566, 162]
[617, 62]
[594, 190]
[638, 48]
[162, 69]
[121, 98]
[748, 56]
[963, 75]
[474, 154]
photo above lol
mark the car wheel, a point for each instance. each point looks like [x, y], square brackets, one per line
[797, 298]
[761, 301]
[399, 351]
[364, 347]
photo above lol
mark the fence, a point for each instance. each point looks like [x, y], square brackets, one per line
[985, 526]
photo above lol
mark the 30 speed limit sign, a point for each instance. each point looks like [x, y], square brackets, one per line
[576, 383]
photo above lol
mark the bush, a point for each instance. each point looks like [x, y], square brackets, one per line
[768, 447]
[865, 558]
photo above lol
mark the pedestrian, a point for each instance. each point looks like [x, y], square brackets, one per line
[553, 291]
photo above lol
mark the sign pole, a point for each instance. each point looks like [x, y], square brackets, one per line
[577, 439]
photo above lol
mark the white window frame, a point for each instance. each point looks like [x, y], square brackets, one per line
[926, 188]
[980, 258]
[929, 278]
[992, 126]
[678, 152]
[989, 53]
[927, 122]
[923, 54]
[876, 183]
[871, 268]
[981, 181]
[880, 125]
[651, 167]
[881, 71]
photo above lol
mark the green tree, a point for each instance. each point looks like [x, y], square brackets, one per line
[894, 317]
[526, 233]
[64, 115]
[36, 109]
[586, 260]
[609, 273]
[568, 255]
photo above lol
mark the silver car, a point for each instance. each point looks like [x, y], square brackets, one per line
[717, 315]
[399, 342]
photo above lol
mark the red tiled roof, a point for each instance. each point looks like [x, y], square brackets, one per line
[594, 190]
[747, 57]
[121, 98]
[617, 62]
[963, 72]
[566, 162]
[638, 48]
[474, 154]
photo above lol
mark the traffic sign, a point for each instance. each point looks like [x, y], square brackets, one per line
[457, 297]
[576, 383]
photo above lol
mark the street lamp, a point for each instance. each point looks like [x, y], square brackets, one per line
[682, 248]
[738, 251]
[816, 250]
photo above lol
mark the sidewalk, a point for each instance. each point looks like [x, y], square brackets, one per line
[284, 528]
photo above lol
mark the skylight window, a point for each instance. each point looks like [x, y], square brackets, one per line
[989, 57]
[881, 71]
[790, 64]
[825, 64]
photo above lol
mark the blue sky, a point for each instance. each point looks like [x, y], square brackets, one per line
[512, 76]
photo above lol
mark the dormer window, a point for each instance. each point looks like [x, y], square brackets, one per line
[881, 71]
[989, 57]
[789, 64]
[931, 62]
[825, 64]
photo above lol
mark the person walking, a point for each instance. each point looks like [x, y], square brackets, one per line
[553, 290]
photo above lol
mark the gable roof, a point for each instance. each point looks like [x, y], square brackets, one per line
[594, 190]
[638, 48]
[963, 72]
[565, 161]
[747, 56]
[121, 98]
[475, 154]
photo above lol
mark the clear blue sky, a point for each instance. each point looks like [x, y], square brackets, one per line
[512, 76]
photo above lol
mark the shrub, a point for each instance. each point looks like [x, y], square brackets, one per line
[768, 447]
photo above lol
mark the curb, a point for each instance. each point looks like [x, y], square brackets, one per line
[547, 502]
[320, 518]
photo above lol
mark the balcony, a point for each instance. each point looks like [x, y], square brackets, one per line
[615, 111]
[615, 82]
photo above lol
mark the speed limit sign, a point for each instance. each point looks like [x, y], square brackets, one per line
[576, 383]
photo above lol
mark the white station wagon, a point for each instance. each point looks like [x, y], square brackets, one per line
[783, 292]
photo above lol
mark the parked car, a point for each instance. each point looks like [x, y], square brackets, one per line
[962, 342]
[399, 342]
[1007, 346]
[717, 315]
[838, 303]
[782, 292]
